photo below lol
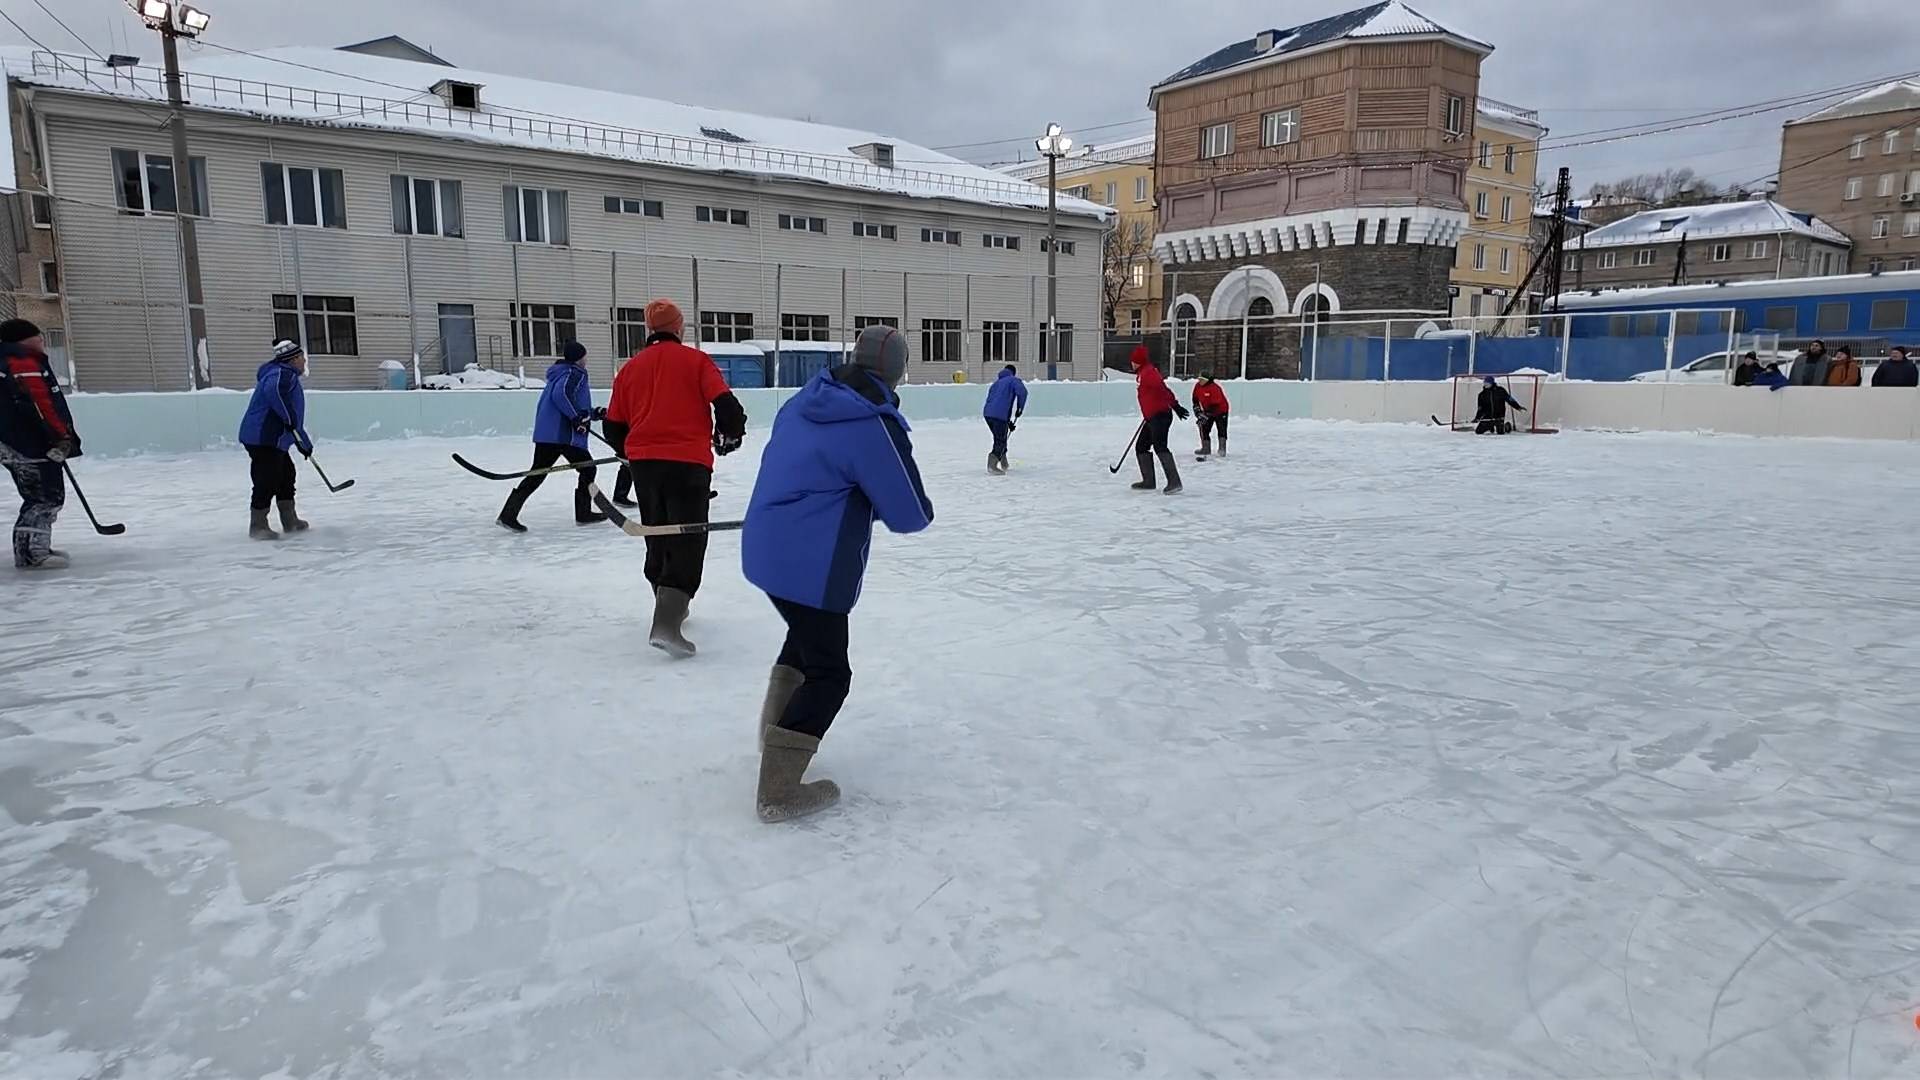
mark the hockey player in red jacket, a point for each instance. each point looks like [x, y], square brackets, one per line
[1157, 409]
[36, 439]
[1210, 405]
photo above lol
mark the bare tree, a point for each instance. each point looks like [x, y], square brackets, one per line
[1680, 186]
[1124, 246]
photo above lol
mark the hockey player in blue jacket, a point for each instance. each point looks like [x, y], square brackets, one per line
[838, 459]
[560, 424]
[1006, 403]
[276, 421]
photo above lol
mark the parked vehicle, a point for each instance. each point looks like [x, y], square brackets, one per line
[1715, 367]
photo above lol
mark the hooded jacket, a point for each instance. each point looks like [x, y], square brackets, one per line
[277, 415]
[1006, 391]
[1155, 398]
[838, 459]
[566, 400]
[33, 411]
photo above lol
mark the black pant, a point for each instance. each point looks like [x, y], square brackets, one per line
[1153, 434]
[1211, 424]
[545, 456]
[43, 491]
[616, 435]
[673, 493]
[272, 472]
[1000, 428]
[816, 646]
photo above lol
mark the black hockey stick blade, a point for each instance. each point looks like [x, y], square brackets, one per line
[523, 474]
[634, 528]
[103, 530]
[331, 486]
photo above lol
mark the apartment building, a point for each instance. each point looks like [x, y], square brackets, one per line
[1495, 251]
[1749, 240]
[1856, 165]
[1311, 171]
[1119, 175]
[381, 207]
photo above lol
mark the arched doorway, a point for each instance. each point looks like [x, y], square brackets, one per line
[1315, 311]
[1181, 361]
[1259, 343]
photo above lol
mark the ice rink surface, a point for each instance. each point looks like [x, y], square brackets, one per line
[1381, 752]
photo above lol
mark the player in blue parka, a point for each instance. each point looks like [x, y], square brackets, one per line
[560, 424]
[275, 422]
[1006, 403]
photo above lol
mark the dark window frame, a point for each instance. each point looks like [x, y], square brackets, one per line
[526, 321]
[941, 341]
[726, 327]
[323, 325]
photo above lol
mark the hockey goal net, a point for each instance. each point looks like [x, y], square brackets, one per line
[1525, 389]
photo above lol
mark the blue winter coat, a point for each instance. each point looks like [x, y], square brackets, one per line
[1001, 396]
[567, 400]
[838, 459]
[277, 415]
[1772, 380]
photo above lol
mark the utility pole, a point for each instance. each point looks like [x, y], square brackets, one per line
[1552, 258]
[1054, 145]
[175, 21]
[1680, 263]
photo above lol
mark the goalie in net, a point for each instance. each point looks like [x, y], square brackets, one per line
[1489, 405]
[1490, 409]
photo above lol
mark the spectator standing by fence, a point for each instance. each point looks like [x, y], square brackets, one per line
[1844, 370]
[1897, 369]
[1810, 368]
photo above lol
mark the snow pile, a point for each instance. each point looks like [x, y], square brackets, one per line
[476, 378]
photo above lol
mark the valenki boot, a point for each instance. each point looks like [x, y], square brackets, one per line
[583, 511]
[509, 518]
[669, 615]
[1147, 481]
[782, 682]
[783, 761]
[258, 528]
[290, 518]
[1173, 472]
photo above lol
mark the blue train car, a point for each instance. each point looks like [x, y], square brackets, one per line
[1861, 307]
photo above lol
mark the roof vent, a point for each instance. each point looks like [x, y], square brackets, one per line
[459, 95]
[1263, 41]
[721, 134]
[880, 153]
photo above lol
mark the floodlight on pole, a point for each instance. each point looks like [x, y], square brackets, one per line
[174, 20]
[172, 17]
[1054, 144]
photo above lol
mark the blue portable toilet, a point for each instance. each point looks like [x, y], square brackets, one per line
[801, 360]
[742, 365]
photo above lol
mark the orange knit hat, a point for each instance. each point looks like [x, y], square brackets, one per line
[663, 317]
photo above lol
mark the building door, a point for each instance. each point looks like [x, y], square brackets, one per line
[458, 348]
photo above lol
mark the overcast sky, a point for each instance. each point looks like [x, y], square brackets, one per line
[945, 74]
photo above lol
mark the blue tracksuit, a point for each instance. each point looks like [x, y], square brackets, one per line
[1006, 391]
[567, 400]
[277, 415]
[838, 459]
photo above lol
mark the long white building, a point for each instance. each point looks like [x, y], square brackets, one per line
[380, 205]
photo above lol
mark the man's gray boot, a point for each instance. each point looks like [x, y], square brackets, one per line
[1147, 481]
[1206, 445]
[258, 529]
[1173, 471]
[783, 761]
[669, 615]
[782, 682]
[290, 518]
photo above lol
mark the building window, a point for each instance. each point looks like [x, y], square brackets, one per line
[1853, 188]
[1722, 252]
[1064, 332]
[803, 223]
[629, 330]
[1113, 193]
[1000, 241]
[328, 321]
[1882, 224]
[940, 341]
[617, 204]
[1906, 263]
[1786, 320]
[720, 215]
[1280, 128]
[803, 327]
[423, 207]
[49, 278]
[301, 196]
[1000, 342]
[1646, 325]
[1216, 141]
[1573, 263]
[874, 231]
[1135, 320]
[1506, 208]
[1891, 144]
[861, 322]
[940, 236]
[1831, 318]
[143, 183]
[540, 331]
[1080, 191]
[1456, 115]
[535, 216]
[1486, 154]
[1887, 182]
[1510, 156]
[1139, 189]
[1479, 256]
[1687, 323]
[1609, 260]
[1480, 204]
[1873, 266]
[1506, 260]
[1859, 149]
[1910, 225]
[1757, 249]
[1137, 275]
[1643, 257]
[1913, 181]
[726, 327]
[43, 211]
[1888, 315]
[1473, 304]
[1066, 246]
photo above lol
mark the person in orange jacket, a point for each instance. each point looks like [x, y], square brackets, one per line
[1845, 369]
[1210, 405]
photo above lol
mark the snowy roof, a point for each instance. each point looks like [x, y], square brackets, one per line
[1831, 285]
[1098, 156]
[1752, 217]
[1513, 116]
[1388, 19]
[1900, 95]
[359, 90]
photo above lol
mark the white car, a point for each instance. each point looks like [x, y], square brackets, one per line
[1712, 368]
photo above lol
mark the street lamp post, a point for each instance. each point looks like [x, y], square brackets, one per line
[177, 20]
[1054, 144]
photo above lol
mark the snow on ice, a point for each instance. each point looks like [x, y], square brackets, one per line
[1380, 752]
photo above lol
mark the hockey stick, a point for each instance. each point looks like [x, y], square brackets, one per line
[634, 528]
[331, 486]
[1131, 443]
[103, 530]
[564, 467]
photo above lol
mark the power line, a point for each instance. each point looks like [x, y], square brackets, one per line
[15, 23]
[1905, 119]
[1024, 138]
[68, 29]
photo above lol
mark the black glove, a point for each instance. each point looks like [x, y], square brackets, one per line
[726, 444]
[599, 412]
[306, 450]
[62, 450]
[584, 424]
[1013, 425]
[1179, 411]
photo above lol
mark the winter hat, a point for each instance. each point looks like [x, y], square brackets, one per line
[663, 317]
[1488, 380]
[574, 352]
[1902, 350]
[286, 350]
[882, 351]
[1140, 357]
[14, 331]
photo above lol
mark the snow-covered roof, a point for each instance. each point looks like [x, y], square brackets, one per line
[1831, 285]
[359, 90]
[1752, 217]
[1900, 95]
[1388, 19]
[1098, 156]
[1504, 115]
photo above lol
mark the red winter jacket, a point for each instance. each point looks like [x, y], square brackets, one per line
[1155, 398]
[1209, 399]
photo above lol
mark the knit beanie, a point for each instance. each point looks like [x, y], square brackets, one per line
[663, 317]
[286, 350]
[574, 352]
[14, 331]
[883, 351]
